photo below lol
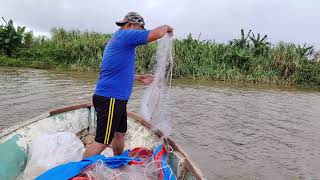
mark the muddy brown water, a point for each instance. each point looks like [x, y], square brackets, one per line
[231, 130]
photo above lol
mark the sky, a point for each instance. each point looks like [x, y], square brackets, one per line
[294, 21]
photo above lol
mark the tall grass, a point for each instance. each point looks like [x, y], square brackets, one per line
[244, 60]
[74, 50]
[250, 58]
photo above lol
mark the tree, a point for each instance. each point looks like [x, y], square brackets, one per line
[11, 38]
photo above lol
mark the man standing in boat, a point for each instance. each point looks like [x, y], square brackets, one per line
[116, 79]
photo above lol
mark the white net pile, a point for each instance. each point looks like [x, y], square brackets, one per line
[150, 170]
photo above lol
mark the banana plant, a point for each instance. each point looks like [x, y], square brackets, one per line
[260, 45]
[243, 41]
[304, 50]
[10, 37]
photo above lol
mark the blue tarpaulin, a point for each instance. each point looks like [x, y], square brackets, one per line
[69, 170]
[72, 169]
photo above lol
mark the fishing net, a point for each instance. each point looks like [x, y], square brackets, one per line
[149, 170]
[156, 100]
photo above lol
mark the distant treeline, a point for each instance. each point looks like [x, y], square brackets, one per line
[250, 58]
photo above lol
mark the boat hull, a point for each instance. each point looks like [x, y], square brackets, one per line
[81, 120]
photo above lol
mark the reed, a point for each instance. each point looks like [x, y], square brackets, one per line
[250, 58]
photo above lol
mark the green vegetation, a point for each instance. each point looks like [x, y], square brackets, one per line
[12, 38]
[250, 58]
[73, 50]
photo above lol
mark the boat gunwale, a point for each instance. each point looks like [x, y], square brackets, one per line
[6, 131]
[189, 164]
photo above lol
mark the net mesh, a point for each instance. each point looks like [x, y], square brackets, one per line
[156, 102]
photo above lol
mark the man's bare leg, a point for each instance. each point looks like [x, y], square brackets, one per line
[118, 143]
[94, 149]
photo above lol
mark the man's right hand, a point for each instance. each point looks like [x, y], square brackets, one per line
[170, 31]
[159, 32]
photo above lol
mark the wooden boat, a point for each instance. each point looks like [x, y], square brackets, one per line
[80, 119]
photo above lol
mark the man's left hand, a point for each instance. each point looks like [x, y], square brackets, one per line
[146, 79]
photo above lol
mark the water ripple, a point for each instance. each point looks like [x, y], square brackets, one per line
[232, 131]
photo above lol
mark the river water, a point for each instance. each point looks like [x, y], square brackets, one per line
[231, 130]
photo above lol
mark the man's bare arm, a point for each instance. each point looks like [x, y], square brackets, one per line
[159, 32]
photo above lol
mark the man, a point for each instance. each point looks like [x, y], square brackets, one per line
[116, 79]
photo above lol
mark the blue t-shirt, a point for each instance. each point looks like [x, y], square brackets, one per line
[118, 64]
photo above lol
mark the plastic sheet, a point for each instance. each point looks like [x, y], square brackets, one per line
[50, 150]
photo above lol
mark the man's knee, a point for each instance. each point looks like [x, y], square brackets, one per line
[94, 149]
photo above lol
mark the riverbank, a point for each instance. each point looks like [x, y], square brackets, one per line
[247, 59]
